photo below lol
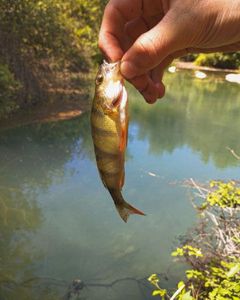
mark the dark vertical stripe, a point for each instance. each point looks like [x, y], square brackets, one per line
[102, 153]
[109, 173]
[98, 112]
[102, 131]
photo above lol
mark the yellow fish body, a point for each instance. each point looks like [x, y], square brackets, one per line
[109, 123]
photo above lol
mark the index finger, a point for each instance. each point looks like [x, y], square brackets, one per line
[117, 13]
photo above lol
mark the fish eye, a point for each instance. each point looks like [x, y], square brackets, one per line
[99, 79]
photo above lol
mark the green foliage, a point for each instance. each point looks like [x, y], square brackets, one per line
[187, 250]
[154, 280]
[215, 274]
[219, 60]
[8, 87]
[189, 57]
[218, 278]
[216, 281]
[224, 194]
[40, 38]
[55, 28]
[7, 82]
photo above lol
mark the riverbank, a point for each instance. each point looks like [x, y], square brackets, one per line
[67, 100]
[70, 100]
[47, 112]
[191, 66]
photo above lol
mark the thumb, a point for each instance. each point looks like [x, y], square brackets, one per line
[151, 48]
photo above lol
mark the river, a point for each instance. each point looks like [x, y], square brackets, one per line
[58, 223]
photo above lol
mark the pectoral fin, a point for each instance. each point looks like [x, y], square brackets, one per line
[123, 137]
[123, 121]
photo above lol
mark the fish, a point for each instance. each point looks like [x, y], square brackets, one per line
[109, 127]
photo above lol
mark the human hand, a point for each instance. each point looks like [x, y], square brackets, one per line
[146, 35]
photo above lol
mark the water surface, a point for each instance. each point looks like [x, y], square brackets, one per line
[58, 223]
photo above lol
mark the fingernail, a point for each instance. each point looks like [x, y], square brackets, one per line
[128, 69]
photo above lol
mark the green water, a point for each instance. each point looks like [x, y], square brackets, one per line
[57, 221]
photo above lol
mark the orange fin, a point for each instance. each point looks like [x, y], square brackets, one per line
[123, 138]
[124, 121]
[122, 180]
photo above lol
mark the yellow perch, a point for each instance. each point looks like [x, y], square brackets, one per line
[109, 122]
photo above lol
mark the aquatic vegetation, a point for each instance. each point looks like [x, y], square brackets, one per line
[213, 249]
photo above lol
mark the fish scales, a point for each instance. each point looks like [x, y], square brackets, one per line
[106, 141]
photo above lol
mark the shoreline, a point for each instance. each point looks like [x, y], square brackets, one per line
[191, 66]
[73, 106]
[53, 111]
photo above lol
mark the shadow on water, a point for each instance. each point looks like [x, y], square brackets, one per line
[31, 158]
[20, 216]
[45, 148]
[43, 165]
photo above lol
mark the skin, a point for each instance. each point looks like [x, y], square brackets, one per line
[146, 35]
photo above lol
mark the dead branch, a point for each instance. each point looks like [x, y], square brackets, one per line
[233, 153]
[219, 230]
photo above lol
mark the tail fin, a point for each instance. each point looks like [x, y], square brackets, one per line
[124, 209]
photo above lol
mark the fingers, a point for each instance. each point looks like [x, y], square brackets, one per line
[116, 15]
[150, 91]
[150, 85]
[150, 49]
[152, 7]
[140, 25]
[135, 28]
[155, 89]
[157, 73]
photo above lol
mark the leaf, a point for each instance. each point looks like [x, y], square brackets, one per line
[159, 293]
[234, 270]
[187, 296]
[180, 284]
[178, 252]
[156, 293]
[153, 279]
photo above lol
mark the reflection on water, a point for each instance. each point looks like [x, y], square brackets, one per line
[57, 221]
[200, 114]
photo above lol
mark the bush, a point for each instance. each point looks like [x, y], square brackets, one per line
[189, 57]
[41, 39]
[219, 60]
[213, 250]
[8, 89]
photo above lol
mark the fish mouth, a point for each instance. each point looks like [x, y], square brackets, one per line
[112, 70]
[111, 65]
[113, 87]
